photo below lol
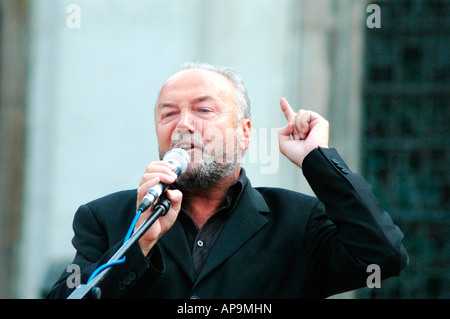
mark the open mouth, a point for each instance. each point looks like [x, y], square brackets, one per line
[187, 147]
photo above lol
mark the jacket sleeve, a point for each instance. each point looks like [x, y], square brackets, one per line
[92, 251]
[350, 231]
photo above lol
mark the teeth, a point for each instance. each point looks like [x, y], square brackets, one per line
[186, 147]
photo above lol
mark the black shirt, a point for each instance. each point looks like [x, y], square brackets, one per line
[201, 241]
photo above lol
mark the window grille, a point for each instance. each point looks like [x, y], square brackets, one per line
[406, 144]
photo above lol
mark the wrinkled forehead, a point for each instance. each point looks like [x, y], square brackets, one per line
[195, 83]
[199, 76]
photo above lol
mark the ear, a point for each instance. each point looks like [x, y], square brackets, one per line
[246, 127]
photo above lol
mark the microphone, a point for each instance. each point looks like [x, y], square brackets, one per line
[177, 157]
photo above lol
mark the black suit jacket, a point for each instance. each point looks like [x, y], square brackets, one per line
[276, 244]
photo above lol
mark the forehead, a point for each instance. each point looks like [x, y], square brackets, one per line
[190, 84]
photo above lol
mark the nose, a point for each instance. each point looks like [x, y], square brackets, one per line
[186, 122]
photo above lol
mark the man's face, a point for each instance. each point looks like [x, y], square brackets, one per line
[196, 111]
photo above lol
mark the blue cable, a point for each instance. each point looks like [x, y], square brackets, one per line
[128, 235]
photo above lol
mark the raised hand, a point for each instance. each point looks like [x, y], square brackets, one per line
[305, 131]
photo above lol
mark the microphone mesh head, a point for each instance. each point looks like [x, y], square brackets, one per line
[180, 156]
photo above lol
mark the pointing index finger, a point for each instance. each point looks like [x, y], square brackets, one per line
[287, 110]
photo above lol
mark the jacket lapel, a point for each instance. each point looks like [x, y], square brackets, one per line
[243, 223]
[175, 243]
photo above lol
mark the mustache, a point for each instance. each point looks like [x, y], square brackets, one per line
[186, 141]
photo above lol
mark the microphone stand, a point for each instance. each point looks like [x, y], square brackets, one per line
[161, 208]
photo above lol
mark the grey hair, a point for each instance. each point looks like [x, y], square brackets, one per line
[242, 99]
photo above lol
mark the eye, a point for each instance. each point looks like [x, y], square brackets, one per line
[204, 110]
[165, 114]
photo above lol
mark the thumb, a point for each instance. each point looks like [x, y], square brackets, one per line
[175, 197]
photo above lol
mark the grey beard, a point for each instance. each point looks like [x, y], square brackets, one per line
[204, 175]
[209, 171]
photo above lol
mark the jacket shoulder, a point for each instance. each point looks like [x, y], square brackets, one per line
[110, 210]
[120, 197]
[290, 206]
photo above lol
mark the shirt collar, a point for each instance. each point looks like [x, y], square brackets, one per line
[235, 190]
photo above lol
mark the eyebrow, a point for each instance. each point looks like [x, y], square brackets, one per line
[165, 104]
[203, 98]
[194, 101]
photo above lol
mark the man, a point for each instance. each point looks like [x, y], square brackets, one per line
[222, 238]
